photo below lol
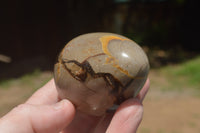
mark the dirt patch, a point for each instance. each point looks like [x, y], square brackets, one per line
[170, 113]
[12, 97]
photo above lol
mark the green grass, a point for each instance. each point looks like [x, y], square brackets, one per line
[191, 70]
[186, 74]
[27, 80]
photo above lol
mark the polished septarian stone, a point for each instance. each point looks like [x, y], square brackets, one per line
[98, 71]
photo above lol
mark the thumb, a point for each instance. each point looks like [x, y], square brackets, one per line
[27, 118]
[127, 117]
[51, 118]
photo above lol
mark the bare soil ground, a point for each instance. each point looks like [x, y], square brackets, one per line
[164, 111]
[170, 113]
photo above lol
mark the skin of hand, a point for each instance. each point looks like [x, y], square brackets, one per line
[44, 112]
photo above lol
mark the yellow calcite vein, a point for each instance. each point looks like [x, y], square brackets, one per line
[112, 60]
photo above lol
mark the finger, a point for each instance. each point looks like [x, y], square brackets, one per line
[127, 117]
[27, 118]
[52, 119]
[144, 90]
[45, 95]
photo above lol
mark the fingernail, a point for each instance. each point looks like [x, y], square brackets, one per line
[59, 105]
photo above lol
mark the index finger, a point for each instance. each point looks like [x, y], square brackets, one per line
[45, 95]
[144, 90]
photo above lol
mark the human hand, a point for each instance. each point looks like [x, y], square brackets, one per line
[44, 112]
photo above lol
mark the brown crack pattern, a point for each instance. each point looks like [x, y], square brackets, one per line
[85, 69]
